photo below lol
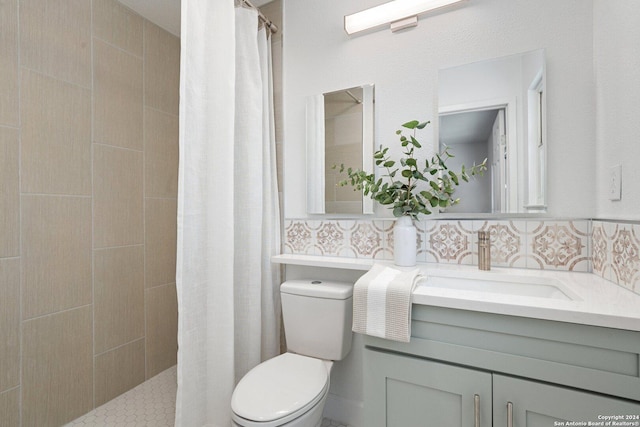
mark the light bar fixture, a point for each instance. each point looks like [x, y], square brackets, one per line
[405, 11]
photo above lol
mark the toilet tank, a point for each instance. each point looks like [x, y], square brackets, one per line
[317, 317]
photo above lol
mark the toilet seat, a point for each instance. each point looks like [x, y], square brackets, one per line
[279, 390]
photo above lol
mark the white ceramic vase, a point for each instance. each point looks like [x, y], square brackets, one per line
[404, 242]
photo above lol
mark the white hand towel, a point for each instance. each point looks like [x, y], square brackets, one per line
[382, 302]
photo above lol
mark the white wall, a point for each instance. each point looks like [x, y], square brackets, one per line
[480, 81]
[319, 57]
[617, 58]
[583, 142]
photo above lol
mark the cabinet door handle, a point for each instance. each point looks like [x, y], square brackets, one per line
[509, 414]
[476, 410]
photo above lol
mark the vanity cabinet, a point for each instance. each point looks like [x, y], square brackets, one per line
[466, 368]
[402, 391]
[518, 402]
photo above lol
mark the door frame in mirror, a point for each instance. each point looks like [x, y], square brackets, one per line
[515, 158]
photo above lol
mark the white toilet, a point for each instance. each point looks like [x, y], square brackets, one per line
[290, 390]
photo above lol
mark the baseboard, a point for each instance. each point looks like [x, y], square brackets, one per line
[348, 412]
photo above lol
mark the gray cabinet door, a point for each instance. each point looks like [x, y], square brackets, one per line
[403, 391]
[539, 405]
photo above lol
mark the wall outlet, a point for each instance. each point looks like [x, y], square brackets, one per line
[615, 183]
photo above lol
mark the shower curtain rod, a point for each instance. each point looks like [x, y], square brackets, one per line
[266, 21]
[355, 98]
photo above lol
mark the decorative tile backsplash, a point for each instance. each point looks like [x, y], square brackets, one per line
[608, 249]
[615, 253]
[349, 238]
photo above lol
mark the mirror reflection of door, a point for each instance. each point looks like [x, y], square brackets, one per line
[499, 163]
[473, 136]
[536, 143]
[517, 172]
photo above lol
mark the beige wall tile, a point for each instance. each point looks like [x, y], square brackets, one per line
[162, 328]
[55, 38]
[9, 324]
[118, 25]
[9, 193]
[9, 62]
[9, 408]
[117, 97]
[56, 253]
[56, 136]
[57, 368]
[160, 246]
[161, 69]
[119, 296]
[160, 154]
[117, 198]
[119, 370]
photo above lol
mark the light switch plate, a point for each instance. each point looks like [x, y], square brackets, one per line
[615, 183]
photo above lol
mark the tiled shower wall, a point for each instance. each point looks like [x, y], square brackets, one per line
[609, 249]
[88, 185]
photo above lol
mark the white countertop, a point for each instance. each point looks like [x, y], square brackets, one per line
[594, 301]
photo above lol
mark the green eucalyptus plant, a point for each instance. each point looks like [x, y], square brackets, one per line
[399, 187]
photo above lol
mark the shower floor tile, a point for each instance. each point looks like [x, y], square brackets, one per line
[151, 404]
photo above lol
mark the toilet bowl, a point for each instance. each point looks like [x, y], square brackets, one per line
[290, 390]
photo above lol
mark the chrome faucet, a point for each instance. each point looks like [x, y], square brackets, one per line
[484, 250]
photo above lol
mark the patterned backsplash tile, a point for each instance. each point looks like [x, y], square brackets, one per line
[349, 238]
[608, 249]
[559, 245]
[615, 253]
[450, 242]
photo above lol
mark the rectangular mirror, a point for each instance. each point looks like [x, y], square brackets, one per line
[496, 109]
[339, 127]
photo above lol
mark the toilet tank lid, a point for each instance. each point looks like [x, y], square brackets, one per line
[328, 289]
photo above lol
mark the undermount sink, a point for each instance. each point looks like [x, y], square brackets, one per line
[517, 285]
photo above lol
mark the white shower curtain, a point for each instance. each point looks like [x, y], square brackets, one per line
[228, 219]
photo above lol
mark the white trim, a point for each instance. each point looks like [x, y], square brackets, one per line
[368, 125]
[315, 146]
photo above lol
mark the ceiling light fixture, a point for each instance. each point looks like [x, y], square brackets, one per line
[399, 13]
